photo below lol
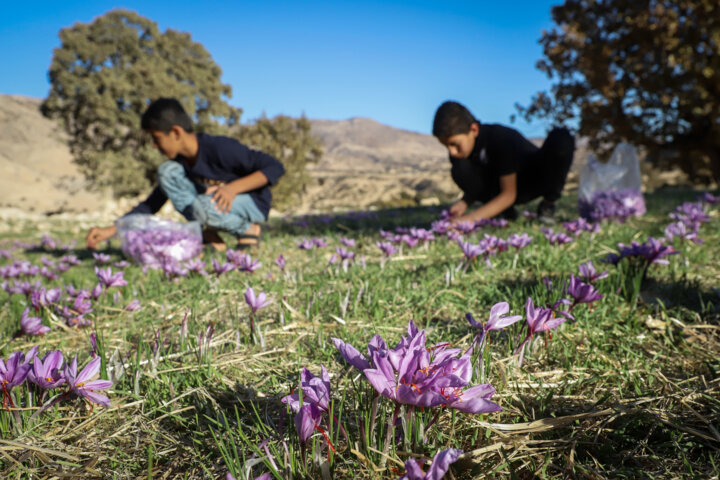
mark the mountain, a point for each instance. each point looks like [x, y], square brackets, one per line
[362, 144]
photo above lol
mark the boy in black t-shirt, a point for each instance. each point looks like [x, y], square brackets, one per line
[499, 167]
[215, 180]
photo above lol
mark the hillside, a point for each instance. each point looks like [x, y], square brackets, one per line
[36, 169]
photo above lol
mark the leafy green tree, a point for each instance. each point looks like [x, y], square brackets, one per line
[104, 75]
[290, 141]
[641, 71]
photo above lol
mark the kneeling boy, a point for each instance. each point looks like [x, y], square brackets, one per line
[212, 179]
[499, 167]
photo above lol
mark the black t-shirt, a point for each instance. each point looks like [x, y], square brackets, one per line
[499, 151]
[221, 160]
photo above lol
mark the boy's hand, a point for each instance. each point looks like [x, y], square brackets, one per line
[98, 235]
[458, 209]
[222, 197]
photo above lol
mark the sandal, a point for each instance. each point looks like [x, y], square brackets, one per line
[248, 236]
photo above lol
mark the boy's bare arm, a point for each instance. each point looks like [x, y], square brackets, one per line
[505, 199]
[224, 195]
[97, 235]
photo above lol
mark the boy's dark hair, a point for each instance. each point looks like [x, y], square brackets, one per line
[165, 113]
[452, 118]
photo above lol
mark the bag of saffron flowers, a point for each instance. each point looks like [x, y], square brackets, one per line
[611, 190]
[155, 242]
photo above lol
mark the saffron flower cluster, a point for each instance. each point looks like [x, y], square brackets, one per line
[651, 251]
[414, 374]
[556, 238]
[310, 244]
[688, 218]
[49, 373]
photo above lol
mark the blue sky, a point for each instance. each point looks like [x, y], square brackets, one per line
[393, 61]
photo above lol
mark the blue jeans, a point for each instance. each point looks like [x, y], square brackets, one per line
[184, 196]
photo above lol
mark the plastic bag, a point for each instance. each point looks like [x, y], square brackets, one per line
[154, 242]
[612, 189]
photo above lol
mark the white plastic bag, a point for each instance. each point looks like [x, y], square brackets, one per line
[155, 242]
[612, 189]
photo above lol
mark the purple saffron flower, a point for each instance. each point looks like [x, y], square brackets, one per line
[173, 269]
[220, 269]
[681, 230]
[280, 262]
[96, 291]
[409, 241]
[440, 466]
[690, 213]
[497, 320]
[556, 238]
[589, 274]
[653, 251]
[470, 250]
[709, 198]
[315, 390]
[541, 319]
[345, 255]
[410, 376]
[82, 385]
[37, 298]
[306, 244]
[101, 258]
[196, 265]
[320, 242]
[247, 264]
[32, 325]
[471, 400]
[307, 421]
[47, 373]
[256, 302]
[519, 241]
[398, 384]
[348, 242]
[234, 256]
[133, 306]
[582, 292]
[70, 260]
[387, 248]
[351, 354]
[108, 279]
[14, 371]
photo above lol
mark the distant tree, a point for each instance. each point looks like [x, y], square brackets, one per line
[104, 75]
[290, 141]
[640, 71]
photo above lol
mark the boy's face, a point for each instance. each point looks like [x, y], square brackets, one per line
[461, 145]
[168, 143]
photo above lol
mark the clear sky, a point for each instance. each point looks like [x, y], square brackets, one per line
[393, 61]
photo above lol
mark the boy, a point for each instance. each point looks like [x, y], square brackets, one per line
[499, 167]
[215, 180]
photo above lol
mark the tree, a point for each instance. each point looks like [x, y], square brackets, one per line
[104, 75]
[290, 141]
[641, 71]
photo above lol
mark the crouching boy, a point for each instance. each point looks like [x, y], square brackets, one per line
[499, 167]
[214, 180]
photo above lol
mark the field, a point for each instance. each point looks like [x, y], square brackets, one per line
[627, 388]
